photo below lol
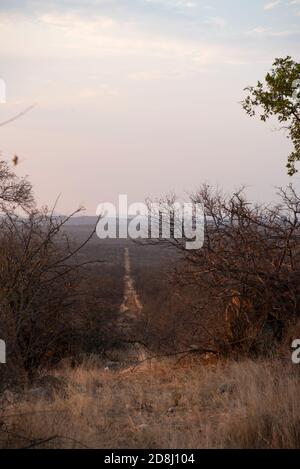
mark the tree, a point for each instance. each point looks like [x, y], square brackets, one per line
[243, 284]
[279, 97]
[46, 298]
[14, 192]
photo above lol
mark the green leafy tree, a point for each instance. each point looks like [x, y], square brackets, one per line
[279, 97]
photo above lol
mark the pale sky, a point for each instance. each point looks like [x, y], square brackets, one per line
[141, 97]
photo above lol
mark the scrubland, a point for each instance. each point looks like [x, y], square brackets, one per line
[168, 403]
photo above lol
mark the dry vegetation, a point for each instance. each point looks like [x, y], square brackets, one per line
[160, 405]
[203, 361]
[69, 381]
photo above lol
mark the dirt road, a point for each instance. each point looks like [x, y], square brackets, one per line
[131, 310]
[131, 305]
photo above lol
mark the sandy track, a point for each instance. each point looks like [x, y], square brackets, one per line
[131, 303]
[131, 309]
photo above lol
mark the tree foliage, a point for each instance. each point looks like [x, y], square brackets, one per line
[279, 97]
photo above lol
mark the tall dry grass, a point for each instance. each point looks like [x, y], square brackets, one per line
[161, 405]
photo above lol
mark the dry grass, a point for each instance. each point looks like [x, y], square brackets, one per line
[163, 405]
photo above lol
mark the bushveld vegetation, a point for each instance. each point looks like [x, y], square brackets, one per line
[206, 363]
[247, 269]
[216, 324]
[53, 295]
[163, 404]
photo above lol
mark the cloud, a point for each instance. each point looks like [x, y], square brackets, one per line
[63, 34]
[102, 89]
[271, 5]
[157, 75]
[216, 21]
[295, 3]
[120, 42]
[261, 31]
[65, 20]
[174, 3]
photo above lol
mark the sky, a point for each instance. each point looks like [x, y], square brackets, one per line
[141, 97]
